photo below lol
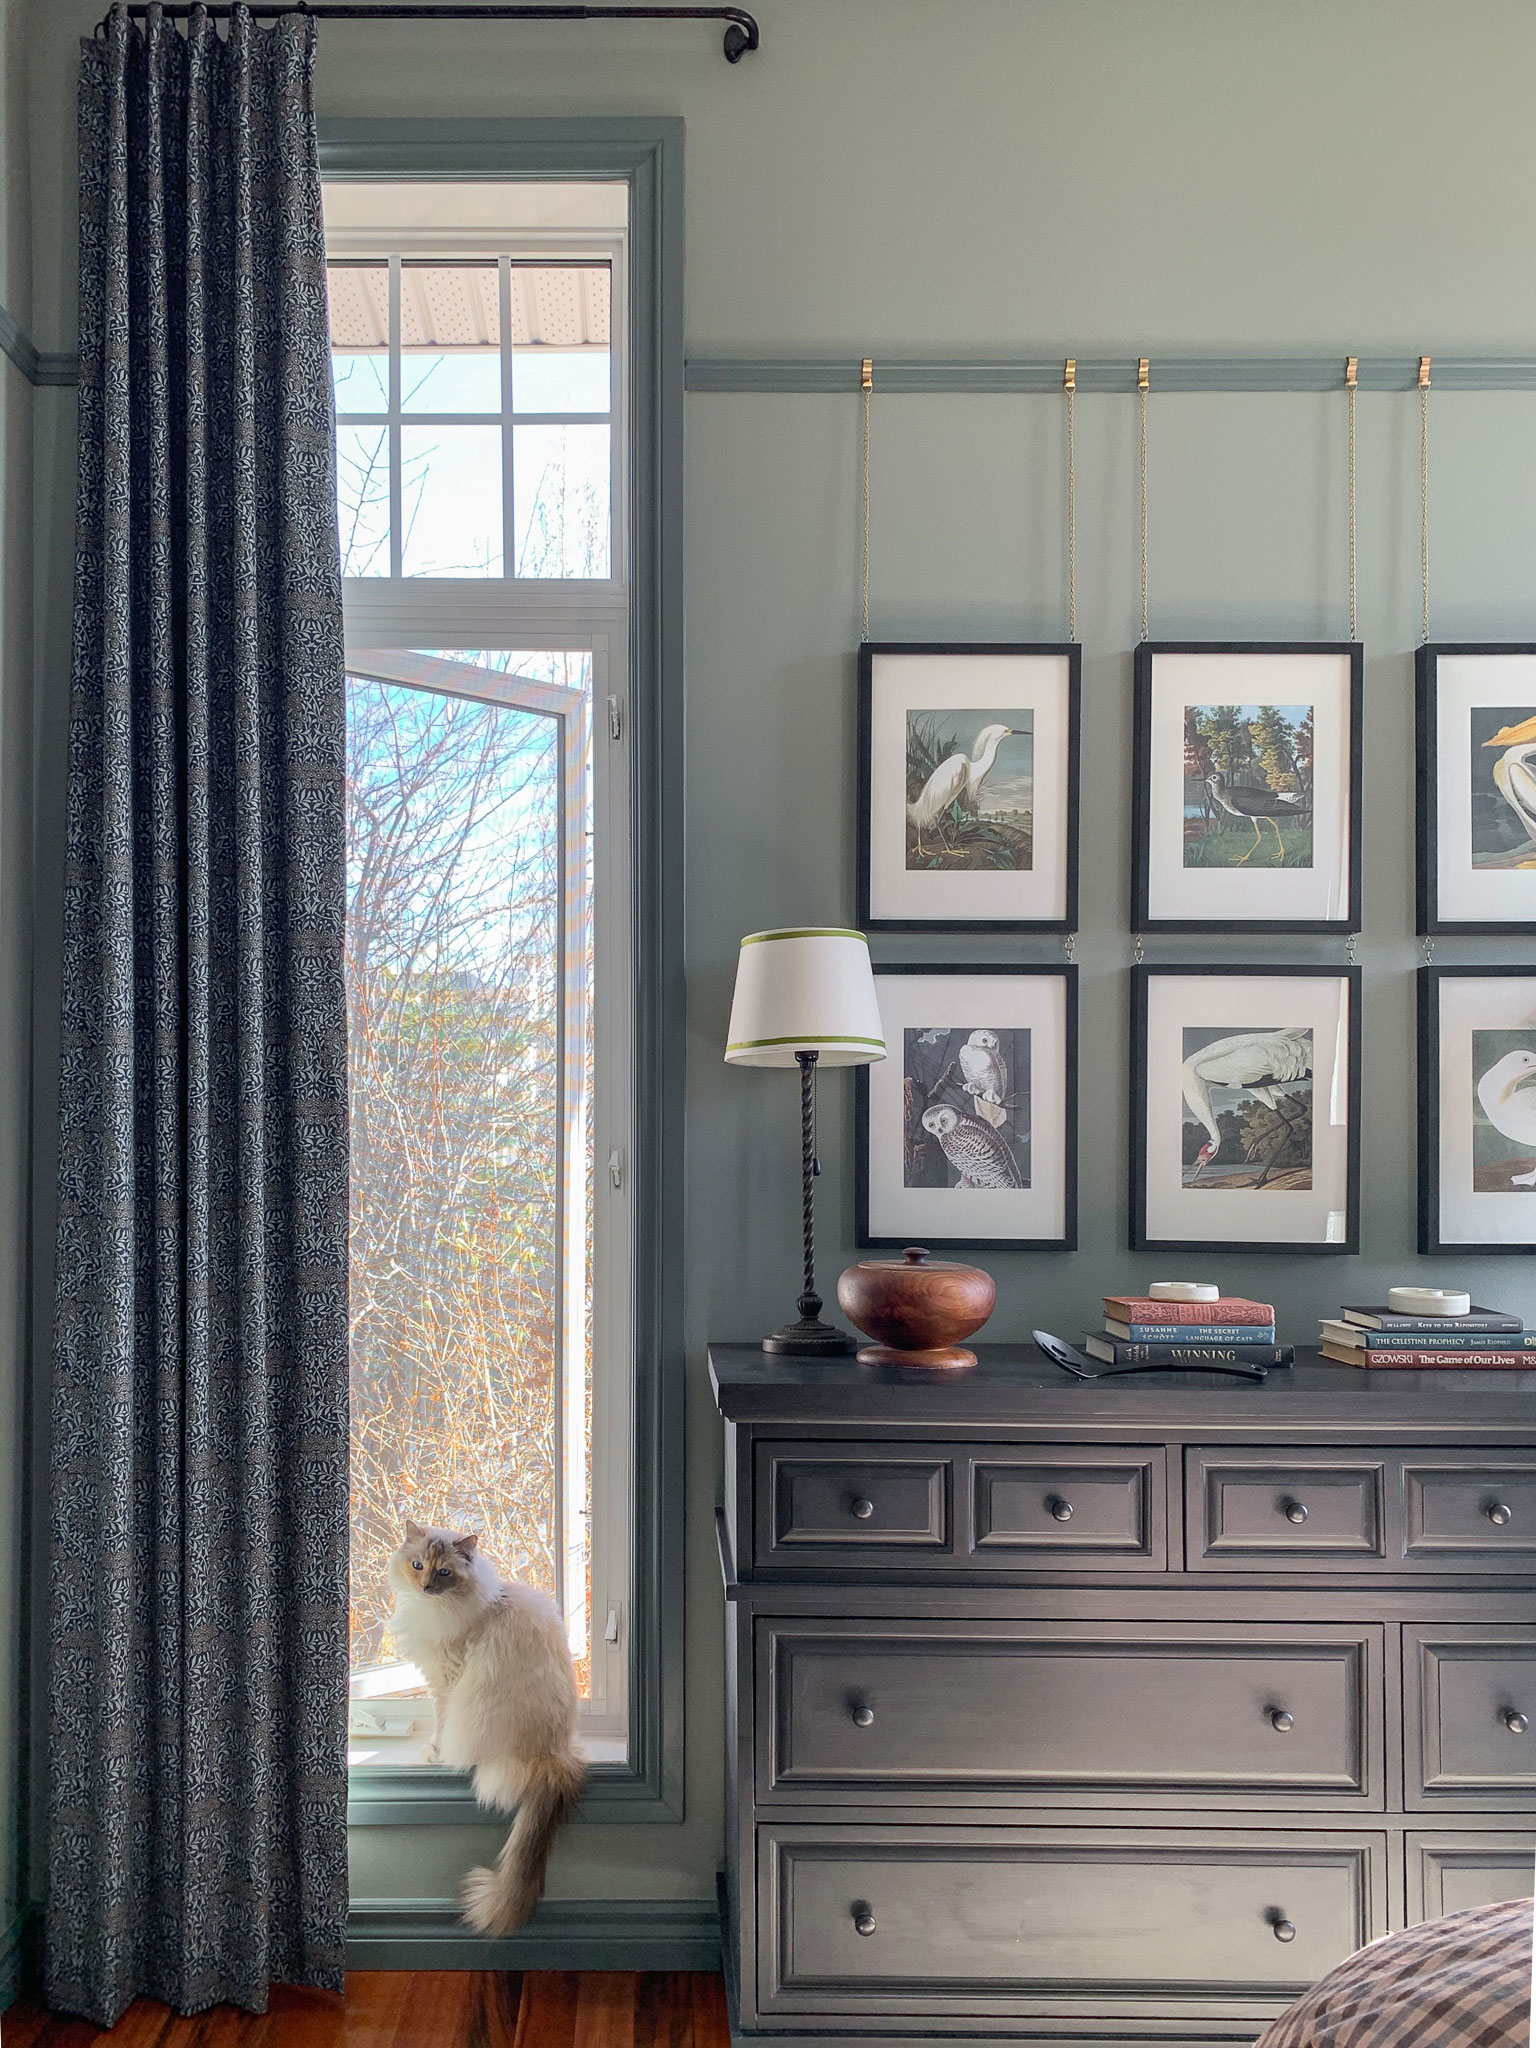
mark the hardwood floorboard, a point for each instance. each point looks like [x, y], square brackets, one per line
[423, 2009]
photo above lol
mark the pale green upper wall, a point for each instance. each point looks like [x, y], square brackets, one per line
[974, 176]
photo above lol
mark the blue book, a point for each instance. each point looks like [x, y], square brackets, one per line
[1190, 1333]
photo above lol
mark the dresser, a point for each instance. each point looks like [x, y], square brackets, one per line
[1079, 1713]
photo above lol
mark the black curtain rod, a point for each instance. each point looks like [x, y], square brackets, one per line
[741, 32]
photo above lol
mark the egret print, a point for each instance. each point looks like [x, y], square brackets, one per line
[970, 789]
[1248, 785]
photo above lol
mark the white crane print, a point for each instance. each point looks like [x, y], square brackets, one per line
[958, 778]
[1261, 1062]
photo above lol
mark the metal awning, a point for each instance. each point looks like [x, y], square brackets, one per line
[456, 306]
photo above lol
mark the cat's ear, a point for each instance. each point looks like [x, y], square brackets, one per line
[465, 1545]
[414, 1532]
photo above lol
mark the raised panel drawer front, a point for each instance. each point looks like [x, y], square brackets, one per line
[853, 1504]
[870, 1921]
[1063, 1506]
[1470, 1511]
[1470, 1707]
[1449, 1873]
[1040, 1712]
[1266, 1510]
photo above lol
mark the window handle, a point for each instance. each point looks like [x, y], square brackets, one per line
[616, 1168]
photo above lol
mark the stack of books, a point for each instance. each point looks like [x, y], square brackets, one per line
[1482, 1338]
[1228, 1331]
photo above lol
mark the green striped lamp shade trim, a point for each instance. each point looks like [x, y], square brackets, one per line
[810, 1044]
[809, 931]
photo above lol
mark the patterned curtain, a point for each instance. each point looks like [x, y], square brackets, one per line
[196, 1740]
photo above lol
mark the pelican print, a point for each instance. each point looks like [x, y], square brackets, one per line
[1510, 1105]
[1261, 1062]
[957, 779]
[1514, 776]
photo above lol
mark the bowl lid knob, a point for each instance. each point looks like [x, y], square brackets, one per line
[915, 1254]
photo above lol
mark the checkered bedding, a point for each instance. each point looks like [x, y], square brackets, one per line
[1460, 1982]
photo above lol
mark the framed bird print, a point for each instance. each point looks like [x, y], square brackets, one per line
[968, 787]
[967, 1130]
[1245, 1109]
[1477, 1109]
[1245, 807]
[1477, 789]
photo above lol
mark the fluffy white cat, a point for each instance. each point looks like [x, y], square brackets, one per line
[496, 1658]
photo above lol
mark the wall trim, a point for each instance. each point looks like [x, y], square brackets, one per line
[564, 1934]
[16, 343]
[1103, 373]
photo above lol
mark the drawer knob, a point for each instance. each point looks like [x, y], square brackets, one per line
[1061, 1510]
[1281, 1721]
[862, 1510]
[1296, 1511]
[863, 1717]
[864, 1921]
[1515, 1721]
[1499, 1514]
[1285, 1930]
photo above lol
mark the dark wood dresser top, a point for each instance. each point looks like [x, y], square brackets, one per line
[1013, 1386]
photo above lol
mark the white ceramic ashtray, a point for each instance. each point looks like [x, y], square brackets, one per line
[1189, 1290]
[1428, 1301]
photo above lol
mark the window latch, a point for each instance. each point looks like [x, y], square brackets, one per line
[616, 1168]
[615, 719]
[611, 1632]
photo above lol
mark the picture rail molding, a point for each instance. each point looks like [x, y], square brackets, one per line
[1043, 374]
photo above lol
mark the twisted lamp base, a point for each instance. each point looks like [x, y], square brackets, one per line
[809, 1337]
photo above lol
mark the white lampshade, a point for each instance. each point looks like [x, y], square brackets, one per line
[805, 990]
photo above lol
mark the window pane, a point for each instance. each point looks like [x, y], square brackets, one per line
[362, 499]
[450, 337]
[451, 501]
[559, 380]
[470, 1059]
[560, 487]
[362, 382]
[358, 296]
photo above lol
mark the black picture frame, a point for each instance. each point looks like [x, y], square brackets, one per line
[1141, 857]
[1141, 976]
[1431, 1243]
[1427, 792]
[868, 651]
[1058, 970]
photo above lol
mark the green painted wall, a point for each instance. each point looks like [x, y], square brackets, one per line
[991, 176]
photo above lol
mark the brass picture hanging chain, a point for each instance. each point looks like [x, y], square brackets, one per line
[1070, 382]
[867, 381]
[1352, 386]
[1142, 381]
[1424, 492]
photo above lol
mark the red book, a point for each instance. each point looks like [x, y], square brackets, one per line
[1231, 1308]
[1432, 1361]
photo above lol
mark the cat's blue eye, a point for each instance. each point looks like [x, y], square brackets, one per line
[415, 1564]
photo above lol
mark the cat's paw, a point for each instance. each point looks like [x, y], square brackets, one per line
[431, 1754]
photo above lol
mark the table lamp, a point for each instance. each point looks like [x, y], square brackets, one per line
[805, 998]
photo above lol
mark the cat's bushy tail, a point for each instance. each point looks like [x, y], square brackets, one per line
[496, 1901]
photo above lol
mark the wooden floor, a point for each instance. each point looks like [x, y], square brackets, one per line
[426, 2009]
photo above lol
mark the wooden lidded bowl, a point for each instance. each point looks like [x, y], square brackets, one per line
[916, 1308]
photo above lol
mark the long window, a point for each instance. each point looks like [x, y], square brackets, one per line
[480, 416]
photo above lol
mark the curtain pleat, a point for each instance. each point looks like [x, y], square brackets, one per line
[196, 1741]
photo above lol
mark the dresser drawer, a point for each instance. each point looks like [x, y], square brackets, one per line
[1449, 1873]
[856, 1507]
[1018, 1713]
[1061, 1506]
[1470, 1511]
[1470, 1709]
[869, 1921]
[852, 1504]
[1265, 1511]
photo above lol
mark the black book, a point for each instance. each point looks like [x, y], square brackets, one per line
[1477, 1319]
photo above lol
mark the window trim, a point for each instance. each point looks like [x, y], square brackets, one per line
[648, 155]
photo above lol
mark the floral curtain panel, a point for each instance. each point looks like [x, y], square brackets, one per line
[197, 1598]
